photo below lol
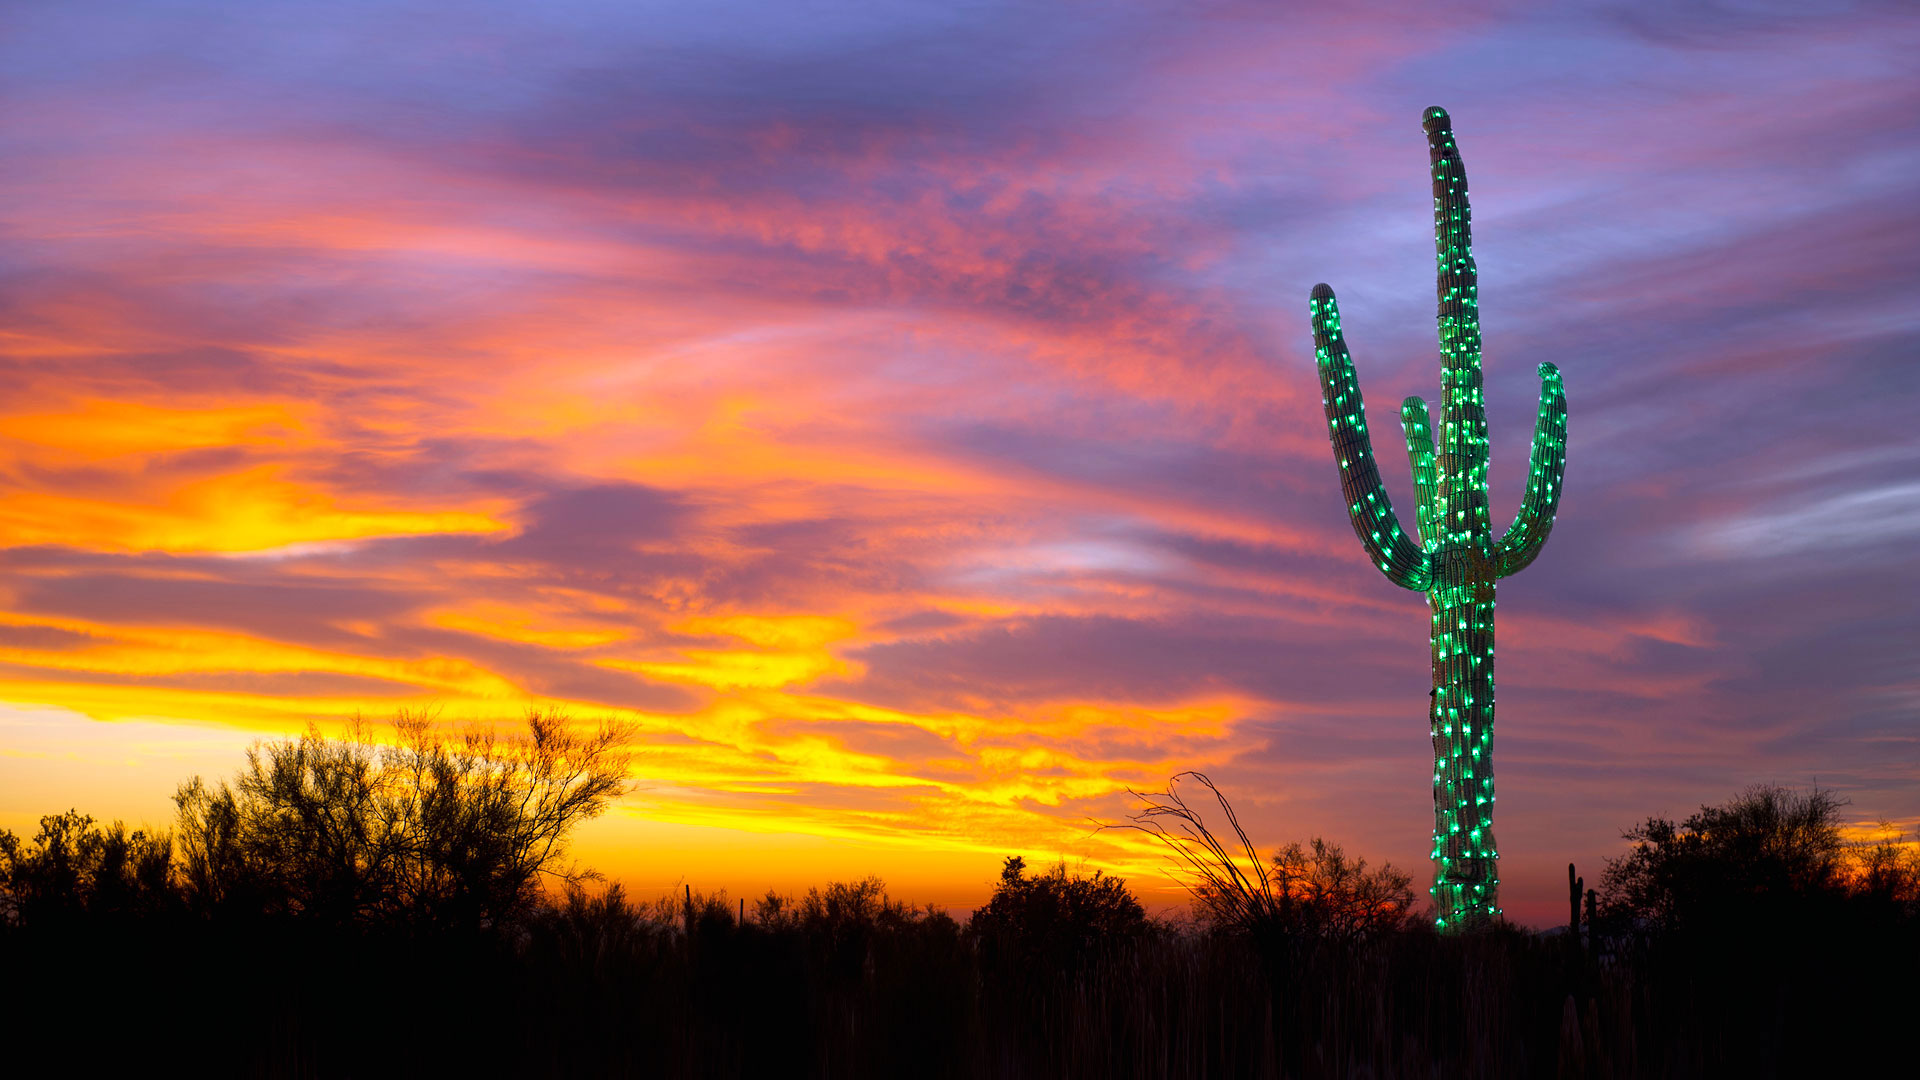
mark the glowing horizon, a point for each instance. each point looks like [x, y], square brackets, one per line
[909, 420]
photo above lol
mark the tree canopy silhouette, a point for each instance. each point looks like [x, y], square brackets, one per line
[1055, 917]
[431, 830]
[73, 867]
[1332, 896]
[1766, 847]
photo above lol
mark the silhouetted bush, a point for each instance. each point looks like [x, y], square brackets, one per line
[1232, 890]
[426, 831]
[1325, 894]
[72, 868]
[1056, 919]
[1310, 892]
[1761, 853]
[1768, 858]
[1885, 874]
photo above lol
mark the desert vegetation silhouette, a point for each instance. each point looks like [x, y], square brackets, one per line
[424, 830]
[393, 905]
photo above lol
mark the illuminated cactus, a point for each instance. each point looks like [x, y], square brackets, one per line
[1455, 560]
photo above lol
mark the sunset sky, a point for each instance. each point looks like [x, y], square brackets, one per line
[906, 414]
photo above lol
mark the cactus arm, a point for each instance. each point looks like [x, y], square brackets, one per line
[1426, 484]
[1548, 465]
[1371, 511]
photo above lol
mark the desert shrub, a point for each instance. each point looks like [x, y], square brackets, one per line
[1054, 919]
[1303, 892]
[73, 867]
[1766, 850]
[1884, 872]
[429, 830]
[1324, 894]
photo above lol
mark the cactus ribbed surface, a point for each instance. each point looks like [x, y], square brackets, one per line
[1455, 559]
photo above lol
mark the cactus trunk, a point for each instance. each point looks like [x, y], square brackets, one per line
[1455, 561]
[1465, 872]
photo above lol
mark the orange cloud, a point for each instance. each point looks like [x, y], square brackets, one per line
[253, 510]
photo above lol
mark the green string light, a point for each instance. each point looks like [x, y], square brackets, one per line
[1455, 560]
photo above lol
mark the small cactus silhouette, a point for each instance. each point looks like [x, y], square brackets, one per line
[1455, 559]
[1574, 885]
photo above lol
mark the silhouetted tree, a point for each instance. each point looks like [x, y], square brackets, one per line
[1765, 847]
[1055, 918]
[1330, 896]
[1886, 872]
[73, 867]
[429, 830]
[776, 910]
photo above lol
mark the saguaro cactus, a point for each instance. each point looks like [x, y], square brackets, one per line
[1455, 560]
